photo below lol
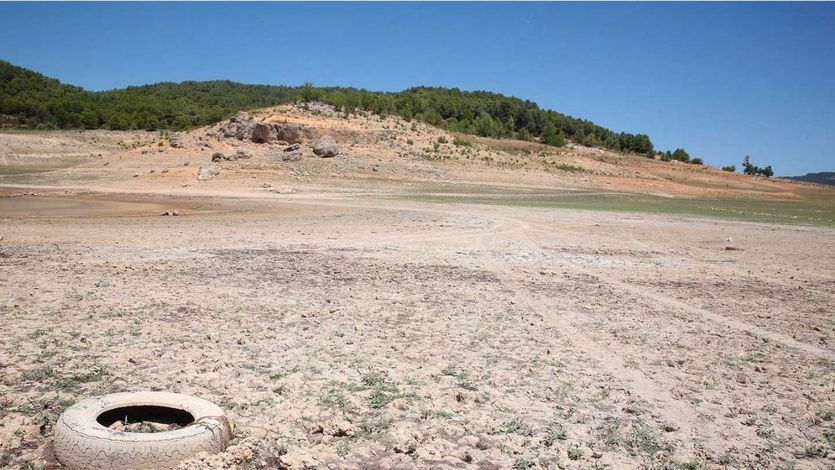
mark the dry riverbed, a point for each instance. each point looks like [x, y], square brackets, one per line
[364, 332]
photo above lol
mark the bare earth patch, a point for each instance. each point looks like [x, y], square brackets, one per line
[391, 334]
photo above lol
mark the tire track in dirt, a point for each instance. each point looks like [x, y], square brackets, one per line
[660, 299]
[699, 433]
[503, 226]
[661, 235]
[508, 226]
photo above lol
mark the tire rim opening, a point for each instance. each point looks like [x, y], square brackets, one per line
[146, 418]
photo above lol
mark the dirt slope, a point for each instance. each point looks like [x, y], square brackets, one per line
[379, 154]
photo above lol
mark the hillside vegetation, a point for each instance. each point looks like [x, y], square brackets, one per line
[31, 100]
[824, 177]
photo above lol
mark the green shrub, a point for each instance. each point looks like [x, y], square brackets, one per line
[459, 142]
[550, 136]
[681, 155]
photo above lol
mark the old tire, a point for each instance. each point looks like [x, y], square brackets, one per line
[81, 442]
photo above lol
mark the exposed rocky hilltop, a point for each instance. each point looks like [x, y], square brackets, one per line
[312, 146]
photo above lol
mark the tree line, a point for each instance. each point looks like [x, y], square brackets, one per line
[31, 100]
[481, 113]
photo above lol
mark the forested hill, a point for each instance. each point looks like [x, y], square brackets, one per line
[31, 100]
[824, 177]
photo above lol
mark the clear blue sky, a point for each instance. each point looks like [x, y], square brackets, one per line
[720, 80]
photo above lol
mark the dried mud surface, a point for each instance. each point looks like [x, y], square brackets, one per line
[369, 333]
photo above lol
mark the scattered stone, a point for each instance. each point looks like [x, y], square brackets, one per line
[338, 427]
[315, 428]
[216, 157]
[283, 190]
[242, 154]
[291, 156]
[208, 171]
[404, 440]
[173, 213]
[326, 147]
[175, 141]
[293, 148]
[164, 170]
[297, 458]
[240, 453]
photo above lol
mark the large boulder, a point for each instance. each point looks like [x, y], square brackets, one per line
[326, 147]
[263, 132]
[208, 171]
[290, 133]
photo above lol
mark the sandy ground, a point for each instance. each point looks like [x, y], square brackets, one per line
[344, 328]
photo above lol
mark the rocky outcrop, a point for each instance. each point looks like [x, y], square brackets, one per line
[239, 127]
[326, 147]
[243, 127]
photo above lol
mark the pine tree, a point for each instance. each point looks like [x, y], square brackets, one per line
[550, 136]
